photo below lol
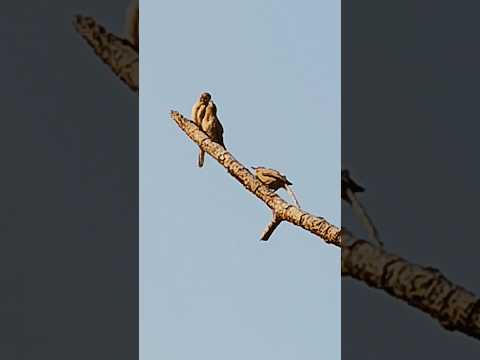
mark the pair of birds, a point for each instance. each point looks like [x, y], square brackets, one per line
[204, 115]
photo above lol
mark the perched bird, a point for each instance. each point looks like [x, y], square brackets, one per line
[349, 184]
[274, 180]
[212, 127]
[198, 109]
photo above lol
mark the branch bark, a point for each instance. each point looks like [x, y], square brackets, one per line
[272, 225]
[119, 54]
[282, 210]
[425, 288]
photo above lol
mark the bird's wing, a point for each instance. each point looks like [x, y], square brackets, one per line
[220, 127]
[220, 135]
[199, 114]
[276, 175]
[220, 132]
[194, 112]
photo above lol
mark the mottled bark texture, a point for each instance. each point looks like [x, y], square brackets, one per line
[272, 225]
[363, 215]
[283, 210]
[425, 288]
[119, 54]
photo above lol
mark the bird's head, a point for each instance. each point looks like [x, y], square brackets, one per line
[205, 97]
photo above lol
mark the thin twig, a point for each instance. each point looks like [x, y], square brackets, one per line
[292, 195]
[270, 227]
[363, 215]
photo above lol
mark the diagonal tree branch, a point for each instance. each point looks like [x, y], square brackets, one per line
[119, 54]
[283, 210]
[424, 288]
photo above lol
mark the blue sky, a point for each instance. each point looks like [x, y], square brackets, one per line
[209, 289]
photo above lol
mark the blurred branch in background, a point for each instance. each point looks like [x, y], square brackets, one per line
[425, 288]
[120, 54]
[349, 189]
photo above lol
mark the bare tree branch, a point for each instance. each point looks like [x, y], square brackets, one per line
[422, 287]
[283, 210]
[425, 288]
[119, 54]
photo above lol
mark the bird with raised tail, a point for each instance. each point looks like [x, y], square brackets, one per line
[274, 180]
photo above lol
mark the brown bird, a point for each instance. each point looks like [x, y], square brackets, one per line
[274, 180]
[198, 109]
[212, 127]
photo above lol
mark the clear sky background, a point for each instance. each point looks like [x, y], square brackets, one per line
[209, 289]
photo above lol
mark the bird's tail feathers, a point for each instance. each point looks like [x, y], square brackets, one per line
[201, 158]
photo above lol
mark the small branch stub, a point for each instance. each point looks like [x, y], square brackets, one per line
[271, 227]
